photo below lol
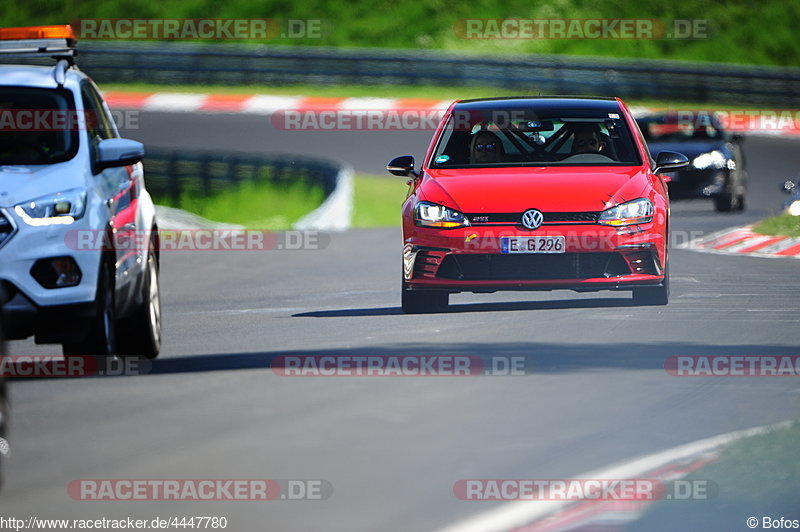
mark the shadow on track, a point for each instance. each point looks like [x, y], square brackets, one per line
[539, 358]
[560, 304]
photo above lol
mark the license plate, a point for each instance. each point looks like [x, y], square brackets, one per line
[532, 244]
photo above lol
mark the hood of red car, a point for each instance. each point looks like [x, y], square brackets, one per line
[549, 189]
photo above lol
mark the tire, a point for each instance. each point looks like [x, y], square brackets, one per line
[101, 340]
[724, 202]
[653, 295]
[741, 205]
[423, 301]
[140, 335]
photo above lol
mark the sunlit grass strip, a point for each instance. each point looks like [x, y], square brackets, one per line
[781, 225]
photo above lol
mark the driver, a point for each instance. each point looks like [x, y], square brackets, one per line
[485, 147]
[587, 139]
[18, 147]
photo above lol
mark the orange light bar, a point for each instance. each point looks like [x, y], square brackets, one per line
[37, 32]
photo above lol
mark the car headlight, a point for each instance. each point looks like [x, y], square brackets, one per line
[712, 159]
[432, 215]
[638, 211]
[57, 209]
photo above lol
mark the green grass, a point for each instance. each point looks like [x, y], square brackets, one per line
[376, 203]
[255, 205]
[783, 224]
[754, 476]
[740, 31]
[377, 200]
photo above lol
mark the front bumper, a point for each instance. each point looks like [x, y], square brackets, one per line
[51, 324]
[595, 258]
[53, 315]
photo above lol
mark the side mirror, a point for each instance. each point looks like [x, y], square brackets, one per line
[670, 160]
[402, 166]
[118, 152]
[789, 187]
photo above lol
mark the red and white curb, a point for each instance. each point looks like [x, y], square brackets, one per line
[593, 514]
[261, 104]
[743, 241]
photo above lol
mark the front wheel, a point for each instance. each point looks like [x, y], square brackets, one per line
[423, 301]
[140, 334]
[725, 202]
[102, 338]
[653, 295]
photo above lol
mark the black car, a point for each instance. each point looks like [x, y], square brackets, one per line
[717, 168]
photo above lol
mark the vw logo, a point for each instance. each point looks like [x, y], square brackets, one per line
[532, 219]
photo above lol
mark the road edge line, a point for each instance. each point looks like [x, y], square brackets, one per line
[516, 514]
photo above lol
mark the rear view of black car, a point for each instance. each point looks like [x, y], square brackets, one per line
[717, 170]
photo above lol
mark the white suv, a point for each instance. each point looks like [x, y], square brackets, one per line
[69, 187]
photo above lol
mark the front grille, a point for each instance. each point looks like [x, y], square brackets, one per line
[530, 267]
[515, 218]
[587, 217]
[6, 229]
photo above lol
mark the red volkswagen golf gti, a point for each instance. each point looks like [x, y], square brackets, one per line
[535, 194]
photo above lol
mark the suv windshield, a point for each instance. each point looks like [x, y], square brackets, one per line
[37, 126]
[525, 136]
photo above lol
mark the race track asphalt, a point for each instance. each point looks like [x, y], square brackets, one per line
[596, 391]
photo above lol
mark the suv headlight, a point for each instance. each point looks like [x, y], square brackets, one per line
[638, 211]
[712, 159]
[432, 215]
[62, 208]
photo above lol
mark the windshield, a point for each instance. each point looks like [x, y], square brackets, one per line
[672, 128]
[37, 126]
[526, 136]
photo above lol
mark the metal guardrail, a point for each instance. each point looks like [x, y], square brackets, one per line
[225, 64]
[170, 174]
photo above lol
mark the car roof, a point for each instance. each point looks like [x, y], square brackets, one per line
[33, 76]
[541, 102]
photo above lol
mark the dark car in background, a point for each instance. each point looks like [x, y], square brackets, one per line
[717, 170]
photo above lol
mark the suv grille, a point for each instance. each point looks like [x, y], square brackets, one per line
[6, 229]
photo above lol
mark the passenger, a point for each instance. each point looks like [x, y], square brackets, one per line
[486, 148]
